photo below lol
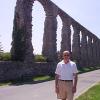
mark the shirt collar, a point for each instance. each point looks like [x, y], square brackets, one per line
[64, 62]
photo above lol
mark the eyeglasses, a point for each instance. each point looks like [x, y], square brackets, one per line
[66, 55]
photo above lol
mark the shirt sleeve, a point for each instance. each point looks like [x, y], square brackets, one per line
[57, 69]
[75, 70]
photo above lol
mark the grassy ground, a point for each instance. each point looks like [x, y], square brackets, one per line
[34, 80]
[88, 69]
[5, 83]
[92, 94]
[42, 78]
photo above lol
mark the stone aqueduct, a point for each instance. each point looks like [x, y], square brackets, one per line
[85, 48]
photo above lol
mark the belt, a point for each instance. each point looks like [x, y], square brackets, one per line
[66, 80]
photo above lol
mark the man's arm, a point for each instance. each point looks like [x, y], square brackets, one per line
[75, 82]
[56, 83]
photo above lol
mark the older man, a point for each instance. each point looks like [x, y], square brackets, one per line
[66, 78]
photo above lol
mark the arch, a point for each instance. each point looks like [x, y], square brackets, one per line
[59, 27]
[22, 49]
[38, 18]
[80, 38]
[72, 32]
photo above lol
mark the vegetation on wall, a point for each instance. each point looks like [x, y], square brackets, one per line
[40, 58]
[1, 50]
[5, 56]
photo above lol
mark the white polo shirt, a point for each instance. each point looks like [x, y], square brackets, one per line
[66, 71]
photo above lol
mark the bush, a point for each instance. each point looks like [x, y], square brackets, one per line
[40, 58]
[5, 56]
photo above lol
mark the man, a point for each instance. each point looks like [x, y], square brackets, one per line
[66, 78]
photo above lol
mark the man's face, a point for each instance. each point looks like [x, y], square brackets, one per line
[66, 56]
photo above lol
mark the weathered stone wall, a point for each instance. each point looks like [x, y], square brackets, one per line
[18, 70]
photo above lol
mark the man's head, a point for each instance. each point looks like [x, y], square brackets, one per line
[66, 55]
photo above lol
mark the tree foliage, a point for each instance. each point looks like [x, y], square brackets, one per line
[1, 50]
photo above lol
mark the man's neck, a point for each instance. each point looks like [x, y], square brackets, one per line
[66, 61]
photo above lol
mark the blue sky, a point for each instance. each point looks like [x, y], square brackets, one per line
[86, 12]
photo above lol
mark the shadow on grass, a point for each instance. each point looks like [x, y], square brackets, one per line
[87, 69]
[32, 80]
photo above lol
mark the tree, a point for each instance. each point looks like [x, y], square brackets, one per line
[1, 51]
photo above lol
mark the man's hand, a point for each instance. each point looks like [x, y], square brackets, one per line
[74, 89]
[56, 83]
[56, 89]
[75, 82]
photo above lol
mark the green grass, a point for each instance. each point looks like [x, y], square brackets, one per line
[42, 78]
[34, 80]
[87, 69]
[5, 83]
[5, 56]
[39, 58]
[92, 94]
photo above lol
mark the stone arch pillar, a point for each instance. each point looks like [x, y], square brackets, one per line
[65, 36]
[49, 49]
[76, 44]
[84, 51]
[90, 50]
[98, 52]
[94, 50]
[22, 49]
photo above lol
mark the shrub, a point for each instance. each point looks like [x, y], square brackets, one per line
[40, 58]
[1, 51]
[5, 56]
